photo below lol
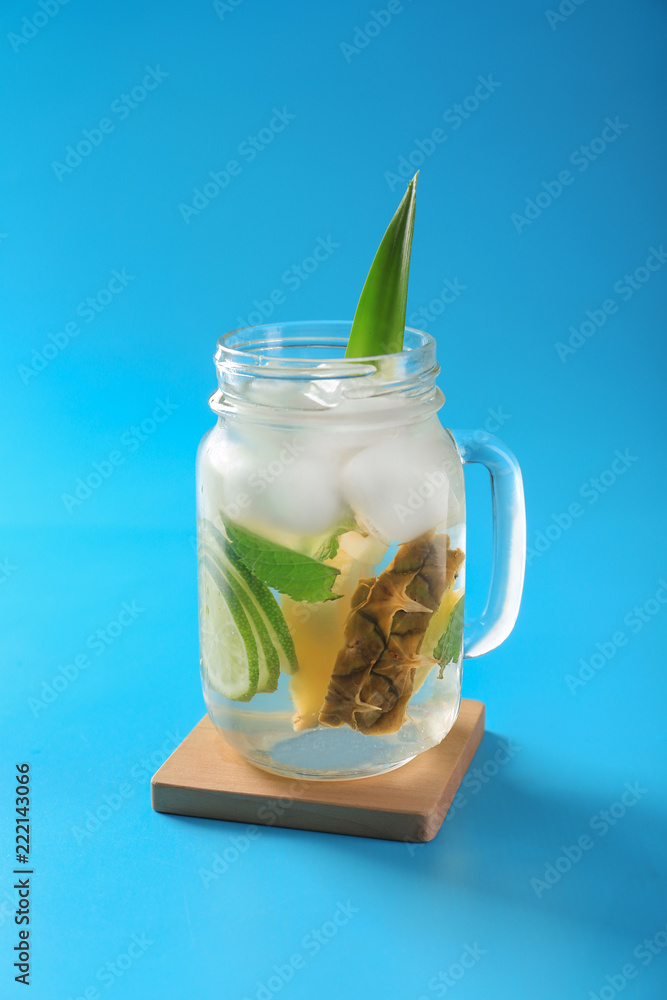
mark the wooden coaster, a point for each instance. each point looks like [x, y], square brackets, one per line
[205, 777]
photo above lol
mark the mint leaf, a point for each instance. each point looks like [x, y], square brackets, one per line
[287, 571]
[329, 548]
[448, 646]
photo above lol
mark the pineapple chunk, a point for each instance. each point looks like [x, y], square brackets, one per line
[317, 628]
[436, 627]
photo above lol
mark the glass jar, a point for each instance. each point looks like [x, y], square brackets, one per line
[331, 552]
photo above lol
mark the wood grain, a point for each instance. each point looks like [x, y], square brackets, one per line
[205, 777]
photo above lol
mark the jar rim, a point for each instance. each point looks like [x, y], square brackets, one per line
[274, 350]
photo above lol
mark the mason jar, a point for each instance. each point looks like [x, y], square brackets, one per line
[331, 552]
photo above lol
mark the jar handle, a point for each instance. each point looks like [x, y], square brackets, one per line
[500, 612]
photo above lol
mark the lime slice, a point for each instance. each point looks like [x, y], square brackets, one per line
[228, 648]
[268, 663]
[278, 632]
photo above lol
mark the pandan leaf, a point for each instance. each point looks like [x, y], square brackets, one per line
[379, 321]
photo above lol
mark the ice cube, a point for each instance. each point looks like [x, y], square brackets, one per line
[296, 393]
[222, 475]
[272, 480]
[302, 496]
[325, 394]
[398, 488]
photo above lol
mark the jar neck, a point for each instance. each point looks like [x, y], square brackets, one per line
[373, 411]
[297, 374]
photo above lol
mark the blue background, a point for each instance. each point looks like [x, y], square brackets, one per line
[66, 573]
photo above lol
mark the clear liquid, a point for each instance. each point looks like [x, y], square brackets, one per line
[263, 729]
[273, 730]
[264, 734]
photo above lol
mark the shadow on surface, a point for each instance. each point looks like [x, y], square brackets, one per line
[500, 835]
[498, 840]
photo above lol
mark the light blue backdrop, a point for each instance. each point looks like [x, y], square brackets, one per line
[169, 94]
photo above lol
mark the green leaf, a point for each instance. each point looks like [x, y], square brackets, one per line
[329, 548]
[379, 322]
[287, 571]
[448, 645]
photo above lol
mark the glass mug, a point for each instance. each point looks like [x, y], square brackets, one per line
[331, 552]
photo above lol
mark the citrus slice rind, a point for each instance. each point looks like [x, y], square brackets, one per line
[250, 588]
[227, 642]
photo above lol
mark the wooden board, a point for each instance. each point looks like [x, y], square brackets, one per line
[205, 777]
